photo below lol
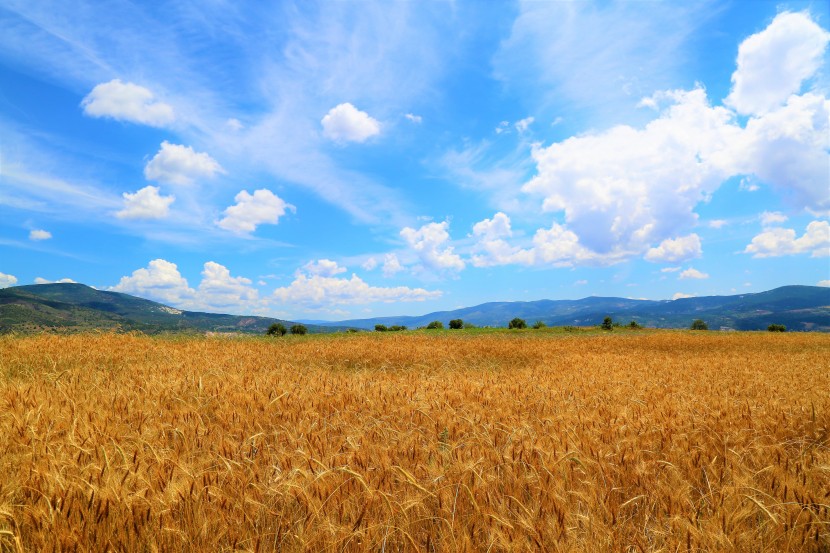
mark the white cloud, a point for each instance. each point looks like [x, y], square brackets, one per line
[824, 283]
[41, 280]
[218, 291]
[681, 295]
[718, 223]
[317, 292]
[417, 119]
[492, 247]
[323, 267]
[692, 273]
[127, 102]
[674, 250]
[428, 242]
[391, 265]
[234, 124]
[773, 63]
[581, 282]
[561, 247]
[779, 241]
[669, 269]
[7, 280]
[251, 210]
[370, 264]
[772, 217]
[147, 203]
[747, 185]
[346, 123]
[160, 281]
[178, 164]
[632, 198]
[523, 124]
[503, 126]
[39, 234]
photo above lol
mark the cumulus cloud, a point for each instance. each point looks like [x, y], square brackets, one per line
[346, 123]
[7, 280]
[319, 292]
[391, 265]
[251, 210]
[775, 242]
[675, 250]
[147, 203]
[492, 248]
[178, 164]
[39, 234]
[692, 273]
[323, 267]
[160, 281]
[41, 280]
[417, 119]
[681, 295]
[370, 264]
[218, 291]
[127, 102]
[773, 63]
[824, 283]
[428, 243]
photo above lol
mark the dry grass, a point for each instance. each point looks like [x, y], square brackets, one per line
[668, 441]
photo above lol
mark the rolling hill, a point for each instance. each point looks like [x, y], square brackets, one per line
[797, 307]
[76, 307]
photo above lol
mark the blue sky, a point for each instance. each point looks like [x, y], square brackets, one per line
[352, 159]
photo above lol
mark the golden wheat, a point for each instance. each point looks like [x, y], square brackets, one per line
[666, 441]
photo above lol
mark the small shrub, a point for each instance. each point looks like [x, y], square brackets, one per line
[777, 328]
[635, 325]
[469, 325]
[517, 323]
[396, 328]
[435, 325]
[698, 324]
[299, 329]
[380, 328]
[607, 324]
[276, 329]
[539, 324]
[351, 331]
[456, 324]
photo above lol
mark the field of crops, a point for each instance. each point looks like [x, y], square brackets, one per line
[451, 441]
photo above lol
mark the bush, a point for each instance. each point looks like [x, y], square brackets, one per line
[299, 329]
[276, 329]
[517, 323]
[539, 324]
[434, 325]
[351, 331]
[380, 328]
[397, 328]
[635, 325]
[777, 328]
[698, 324]
[607, 324]
[469, 325]
[456, 324]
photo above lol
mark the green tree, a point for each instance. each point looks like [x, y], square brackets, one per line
[539, 324]
[456, 324]
[517, 323]
[276, 329]
[435, 325]
[698, 324]
[634, 324]
[397, 328]
[777, 328]
[607, 324]
[299, 329]
[380, 328]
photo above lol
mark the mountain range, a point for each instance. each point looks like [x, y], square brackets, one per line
[76, 307]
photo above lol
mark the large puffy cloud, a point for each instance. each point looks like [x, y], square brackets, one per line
[674, 250]
[773, 63]
[218, 291]
[774, 242]
[319, 292]
[127, 102]
[346, 123]
[147, 203]
[7, 280]
[428, 243]
[492, 248]
[250, 210]
[178, 164]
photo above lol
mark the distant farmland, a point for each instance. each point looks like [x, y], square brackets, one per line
[500, 441]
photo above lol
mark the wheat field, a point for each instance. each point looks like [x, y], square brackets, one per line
[450, 441]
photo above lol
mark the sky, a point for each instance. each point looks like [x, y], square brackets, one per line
[335, 160]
